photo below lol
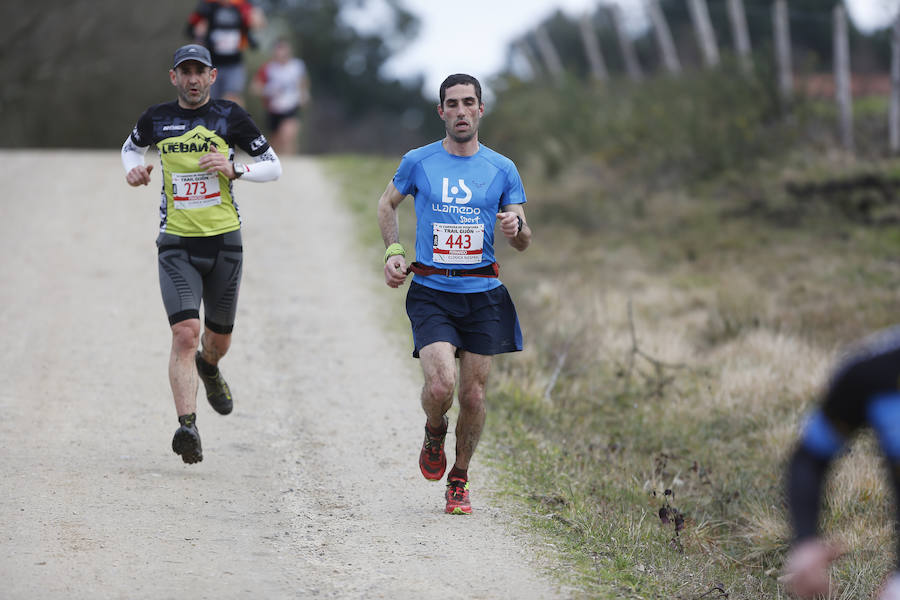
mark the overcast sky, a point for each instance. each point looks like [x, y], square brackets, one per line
[471, 36]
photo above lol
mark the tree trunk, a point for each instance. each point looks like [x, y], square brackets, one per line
[549, 54]
[782, 29]
[663, 37]
[632, 66]
[842, 77]
[740, 33]
[592, 48]
[894, 117]
[534, 64]
[706, 36]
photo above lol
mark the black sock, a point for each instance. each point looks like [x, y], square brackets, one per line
[206, 368]
[457, 473]
[188, 420]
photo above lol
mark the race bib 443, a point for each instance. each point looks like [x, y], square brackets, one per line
[458, 244]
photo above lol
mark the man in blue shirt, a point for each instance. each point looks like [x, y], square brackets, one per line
[864, 392]
[463, 193]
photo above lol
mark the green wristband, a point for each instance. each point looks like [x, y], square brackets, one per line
[393, 250]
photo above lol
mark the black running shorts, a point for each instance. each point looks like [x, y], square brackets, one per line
[192, 269]
[477, 322]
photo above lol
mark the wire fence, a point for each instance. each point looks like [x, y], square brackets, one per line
[539, 52]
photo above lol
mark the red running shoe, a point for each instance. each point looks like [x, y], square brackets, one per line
[458, 497]
[432, 460]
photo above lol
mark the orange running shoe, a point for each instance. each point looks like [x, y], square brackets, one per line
[458, 497]
[432, 460]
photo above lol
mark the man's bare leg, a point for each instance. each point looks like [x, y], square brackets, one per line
[439, 367]
[473, 375]
[183, 380]
[182, 372]
[213, 348]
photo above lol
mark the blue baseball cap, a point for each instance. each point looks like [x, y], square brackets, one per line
[192, 52]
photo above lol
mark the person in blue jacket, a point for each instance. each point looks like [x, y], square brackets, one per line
[864, 391]
[464, 194]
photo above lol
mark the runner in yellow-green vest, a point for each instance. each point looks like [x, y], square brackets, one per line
[199, 243]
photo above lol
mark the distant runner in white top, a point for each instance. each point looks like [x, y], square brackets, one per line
[283, 84]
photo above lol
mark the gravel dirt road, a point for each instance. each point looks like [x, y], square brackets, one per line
[309, 489]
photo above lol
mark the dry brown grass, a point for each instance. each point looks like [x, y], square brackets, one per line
[701, 342]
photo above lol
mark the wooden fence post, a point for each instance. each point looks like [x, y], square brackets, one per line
[632, 66]
[592, 48]
[894, 116]
[549, 54]
[842, 89]
[525, 50]
[740, 33]
[706, 36]
[781, 26]
[663, 37]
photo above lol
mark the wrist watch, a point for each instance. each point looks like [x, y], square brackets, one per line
[239, 169]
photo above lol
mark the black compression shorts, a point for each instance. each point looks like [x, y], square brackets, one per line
[192, 269]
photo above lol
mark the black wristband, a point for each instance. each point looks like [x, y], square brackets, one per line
[521, 223]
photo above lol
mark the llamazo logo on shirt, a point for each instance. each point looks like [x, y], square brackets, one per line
[446, 197]
[454, 203]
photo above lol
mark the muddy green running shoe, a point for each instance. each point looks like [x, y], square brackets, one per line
[187, 440]
[217, 391]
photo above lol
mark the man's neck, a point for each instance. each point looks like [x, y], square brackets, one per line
[455, 148]
[191, 106]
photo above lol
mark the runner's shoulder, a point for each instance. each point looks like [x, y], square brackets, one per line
[147, 129]
[162, 109]
[417, 155]
[495, 158]
[228, 109]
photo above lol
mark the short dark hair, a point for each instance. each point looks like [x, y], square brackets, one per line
[460, 79]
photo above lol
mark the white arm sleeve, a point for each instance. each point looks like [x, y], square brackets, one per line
[132, 154]
[266, 168]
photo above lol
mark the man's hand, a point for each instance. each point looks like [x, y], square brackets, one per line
[395, 271]
[890, 589]
[139, 175]
[806, 570]
[509, 223]
[216, 161]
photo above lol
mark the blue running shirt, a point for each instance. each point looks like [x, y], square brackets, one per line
[457, 199]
